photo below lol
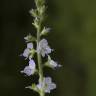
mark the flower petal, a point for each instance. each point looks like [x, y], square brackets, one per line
[28, 71]
[30, 45]
[48, 80]
[26, 53]
[43, 48]
[32, 64]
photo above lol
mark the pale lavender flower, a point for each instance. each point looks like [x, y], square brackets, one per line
[30, 70]
[32, 64]
[51, 63]
[43, 48]
[27, 50]
[30, 45]
[47, 85]
[54, 64]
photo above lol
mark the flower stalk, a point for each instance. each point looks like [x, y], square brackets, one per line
[39, 59]
[42, 50]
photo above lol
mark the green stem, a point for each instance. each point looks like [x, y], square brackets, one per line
[40, 62]
[39, 4]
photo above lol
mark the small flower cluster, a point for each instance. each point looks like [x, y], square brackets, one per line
[47, 85]
[42, 50]
[30, 69]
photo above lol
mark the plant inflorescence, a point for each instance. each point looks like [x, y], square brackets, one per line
[38, 46]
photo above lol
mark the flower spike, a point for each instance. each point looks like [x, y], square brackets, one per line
[38, 49]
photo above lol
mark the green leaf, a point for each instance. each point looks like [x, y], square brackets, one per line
[33, 87]
[39, 3]
[47, 64]
[45, 31]
[32, 53]
[30, 38]
[42, 10]
[33, 12]
[36, 22]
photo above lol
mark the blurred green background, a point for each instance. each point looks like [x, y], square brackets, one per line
[73, 37]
